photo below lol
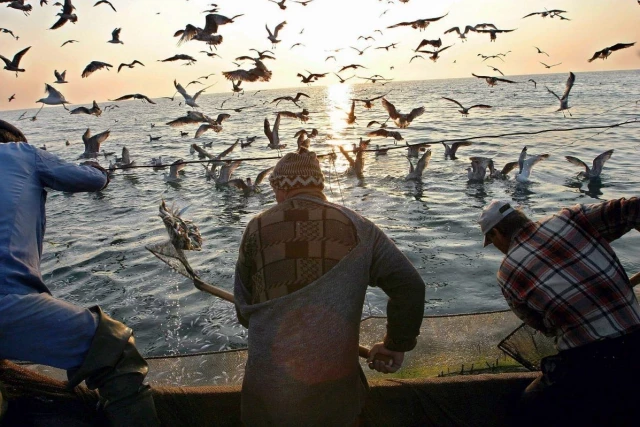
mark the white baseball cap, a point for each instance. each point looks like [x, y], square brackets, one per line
[495, 212]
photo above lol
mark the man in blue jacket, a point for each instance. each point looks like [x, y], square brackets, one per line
[34, 326]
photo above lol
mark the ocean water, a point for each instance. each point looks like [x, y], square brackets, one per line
[94, 249]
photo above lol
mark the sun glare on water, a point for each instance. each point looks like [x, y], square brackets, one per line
[338, 103]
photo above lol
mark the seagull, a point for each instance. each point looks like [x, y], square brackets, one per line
[215, 125]
[360, 52]
[226, 170]
[19, 5]
[451, 150]
[525, 164]
[181, 57]
[296, 44]
[8, 31]
[604, 53]
[504, 172]
[293, 99]
[413, 150]
[425, 42]
[493, 32]
[414, 57]
[465, 111]
[354, 66]
[485, 57]
[272, 134]
[541, 51]
[130, 65]
[66, 15]
[461, 34]
[420, 24]
[592, 173]
[95, 66]
[549, 66]
[273, 37]
[386, 134]
[356, 167]
[174, 170]
[68, 41]
[210, 54]
[94, 110]
[280, 4]
[478, 169]
[105, 2]
[60, 77]
[115, 36]
[415, 174]
[125, 161]
[140, 96]
[153, 138]
[188, 99]
[14, 64]
[492, 81]
[206, 34]
[351, 115]
[375, 122]
[550, 13]
[401, 120]
[10, 133]
[564, 100]
[12, 97]
[237, 109]
[387, 47]
[535, 84]
[53, 98]
[312, 77]
[92, 143]
[435, 53]
[247, 186]
[343, 80]
[368, 103]
[259, 73]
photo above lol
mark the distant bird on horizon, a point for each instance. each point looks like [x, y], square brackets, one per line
[95, 66]
[607, 51]
[496, 70]
[465, 111]
[69, 41]
[12, 97]
[401, 120]
[60, 77]
[564, 100]
[541, 51]
[105, 2]
[594, 172]
[14, 64]
[550, 66]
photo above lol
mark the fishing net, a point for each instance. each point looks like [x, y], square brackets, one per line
[173, 257]
[527, 346]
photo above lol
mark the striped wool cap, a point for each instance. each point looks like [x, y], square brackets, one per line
[296, 171]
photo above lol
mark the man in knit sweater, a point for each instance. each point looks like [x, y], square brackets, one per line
[301, 278]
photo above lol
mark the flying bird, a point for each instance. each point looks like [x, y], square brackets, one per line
[354, 66]
[360, 52]
[541, 51]
[550, 66]
[188, 99]
[259, 73]
[564, 100]
[12, 97]
[435, 53]
[343, 80]
[293, 99]
[544, 14]
[60, 77]
[180, 57]
[130, 65]
[594, 172]
[496, 70]
[465, 111]
[8, 31]
[280, 4]
[425, 42]
[115, 36]
[494, 32]
[94, 110]
[206, 34]
[105, 2]
[53, 98]
[461, 34]
[66, 15]
[450, 150]
[401, 120]
[95, 66]
[249, 187]
[139, 96]
[386, 134]
[368, 103]
[174, 171]
[68, 41]
[492, 81]
[14, 64]
[92, 143]
[272, 133]
[419, 24]
[604, 53]
[273, 37]
[215, 125]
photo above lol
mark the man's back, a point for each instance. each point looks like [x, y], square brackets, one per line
[26, 171]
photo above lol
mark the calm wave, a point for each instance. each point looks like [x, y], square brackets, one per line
[94, 251]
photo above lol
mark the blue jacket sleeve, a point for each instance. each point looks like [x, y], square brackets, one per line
[64, 176]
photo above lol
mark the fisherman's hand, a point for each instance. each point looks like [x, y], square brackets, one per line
[397, 357]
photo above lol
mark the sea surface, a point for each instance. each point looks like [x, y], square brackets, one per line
[94, 250]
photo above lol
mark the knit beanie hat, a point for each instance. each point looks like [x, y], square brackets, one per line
[296, 171]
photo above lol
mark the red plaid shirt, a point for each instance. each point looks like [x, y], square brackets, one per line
[562, 277]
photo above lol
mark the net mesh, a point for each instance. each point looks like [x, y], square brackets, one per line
[448, 345]
[175, 258]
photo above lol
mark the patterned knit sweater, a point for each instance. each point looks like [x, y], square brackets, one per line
[302, 367]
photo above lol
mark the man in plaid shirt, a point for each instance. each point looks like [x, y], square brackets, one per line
[561, 277]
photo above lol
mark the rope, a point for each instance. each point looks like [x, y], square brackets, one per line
[503, 135]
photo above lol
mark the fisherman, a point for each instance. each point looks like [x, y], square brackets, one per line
[37, 327]
[561, 277]
[301, 278]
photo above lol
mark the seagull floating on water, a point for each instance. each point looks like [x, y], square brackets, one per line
[415, 174]
[451, 150]
[247, 186]
[594, 172]
[92, 143]
[526, 163]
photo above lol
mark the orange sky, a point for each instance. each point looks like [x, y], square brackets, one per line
[327, 24]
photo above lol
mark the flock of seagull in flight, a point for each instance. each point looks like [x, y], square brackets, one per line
[221, 170]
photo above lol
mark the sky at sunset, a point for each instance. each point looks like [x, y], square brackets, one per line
[148, 27]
